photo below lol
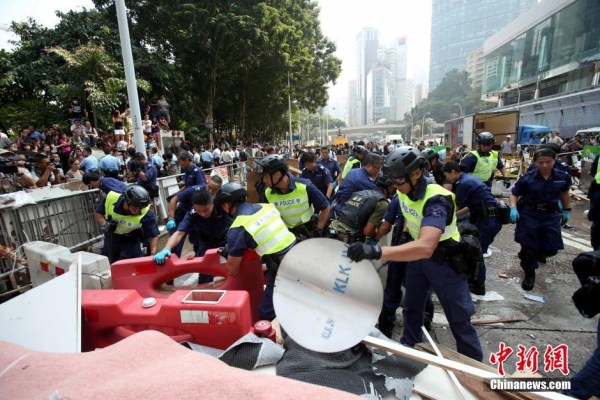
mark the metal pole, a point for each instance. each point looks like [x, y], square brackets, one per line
[290, 112]
[327, 128]
[423, 126]
[132, 93]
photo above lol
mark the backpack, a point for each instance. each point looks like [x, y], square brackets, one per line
[471, 247]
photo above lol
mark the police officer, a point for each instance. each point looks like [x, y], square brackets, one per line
[362, 214]
[296, 199]
[331, 164]
[145, 173]
[484, 161]
[109, 165]
[534, 208]
[192, 174]
[270, 238]
[429, 212]
[105, 184]
[125, 218]
[558, 164]
[435, 166]
[316, 173]
[354, 161]
[179, 206]
[206, 226]
[359, 179]
[475, 198]
[594, 210]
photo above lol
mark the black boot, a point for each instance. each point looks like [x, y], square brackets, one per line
[529, 280]
[477, 289]
[386, 322]
[428, 315]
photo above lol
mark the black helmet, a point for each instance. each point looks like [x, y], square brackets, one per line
[360, 150]
[273, 163]
[485, 138]
[401, 162]
[383, 180]
[430, 154]
[230, 193]
[90, 176]
[137, 196]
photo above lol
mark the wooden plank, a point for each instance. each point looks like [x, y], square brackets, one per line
[496, 321]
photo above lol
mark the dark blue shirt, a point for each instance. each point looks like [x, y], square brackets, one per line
[332, 165]
[537, 190]
[471, 192]
[112, 185]
[238, 240]
[151, 173]
[194, 176]
[356, 180]
[315, 197]
[184, 201]
[208, 230]
[321, 177]
[148, 221]
[469, 162]
[393, 214]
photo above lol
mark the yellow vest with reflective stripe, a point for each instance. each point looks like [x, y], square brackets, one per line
[350, 165]
[294, 206]
[267, 229]
[597, 177]
[485, 167]
[413, 212]
[125, 223]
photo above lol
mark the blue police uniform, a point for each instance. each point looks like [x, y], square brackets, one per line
[469, 162]
[184, 206]
[112, 185]
[129, 245]
[451, 288]
[594, 211]
[205, 233]
[320, 177]
[89, 164]
[194, 176]
[471, 192]
[151, 173]
[109, 164]
[239, 240]
[355, 181]
[538, 226]
[332, 165]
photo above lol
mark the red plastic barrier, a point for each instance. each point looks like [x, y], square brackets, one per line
[143, 275]
[215, 318]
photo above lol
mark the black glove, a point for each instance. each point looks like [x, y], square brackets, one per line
[135, 166]
[110, 226]
[223, 252]
[361, 251]
[316, 233]
[506, 183]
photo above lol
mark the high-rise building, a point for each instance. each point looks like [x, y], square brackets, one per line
[352, 107]
[461, 26]
[366, 53]
[380, 92]
[396, 60]
[475, 67]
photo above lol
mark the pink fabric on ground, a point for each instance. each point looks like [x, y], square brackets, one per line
[147, 365]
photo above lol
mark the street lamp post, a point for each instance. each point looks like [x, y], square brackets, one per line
[290, 112]
[460, 107]
[423, 126]
[409, 138]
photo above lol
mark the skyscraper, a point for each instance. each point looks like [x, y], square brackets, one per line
[366, 52]
[461, 26]
[397, 61]
[380, 94]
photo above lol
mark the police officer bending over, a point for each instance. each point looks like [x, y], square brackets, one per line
[363, 213]
[296, 199]
[354, 161]
[258, 227]
[484, 161]
[125, 218]
[103, 183]
[206, 226]
[435, 166]
[430, 216]
[359, 179]
[316, 173]
[476, 198]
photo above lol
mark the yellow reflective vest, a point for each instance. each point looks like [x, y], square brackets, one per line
[267, 229]
[485, 167]
[413, 212]
[294, 207]
[125, 223]
[350, 164]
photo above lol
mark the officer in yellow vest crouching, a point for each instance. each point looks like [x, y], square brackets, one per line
[127, 219]
[258, 227]
[433, 256]
[484, 161]
[296, 199]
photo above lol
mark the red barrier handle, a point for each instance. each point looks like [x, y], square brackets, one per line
[123, 333]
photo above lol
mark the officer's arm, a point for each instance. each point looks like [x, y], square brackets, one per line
[172, 207]
[174, 239]
[420, 249]
[329, 190]
[513, 200]
[153, 242]
[565, 198]
[383, 230]
[233, 265]
[100, 218]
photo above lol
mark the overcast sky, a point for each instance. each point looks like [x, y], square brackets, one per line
[341, 20]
